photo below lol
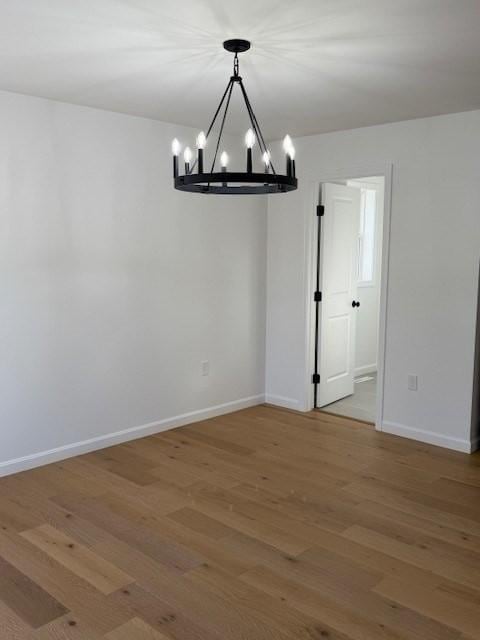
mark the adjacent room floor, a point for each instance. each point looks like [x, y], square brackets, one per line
[263, 524]
[362, 404]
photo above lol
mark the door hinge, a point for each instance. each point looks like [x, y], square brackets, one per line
[316, 378]
[320, 210]
[317, 296]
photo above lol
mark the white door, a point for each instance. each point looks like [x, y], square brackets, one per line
[338, 280]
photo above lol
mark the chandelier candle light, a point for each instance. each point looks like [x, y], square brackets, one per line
[198, 180]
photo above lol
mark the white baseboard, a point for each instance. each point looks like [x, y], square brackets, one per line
[282, 401]
[457, 444]
[92, 444]
[366, 368]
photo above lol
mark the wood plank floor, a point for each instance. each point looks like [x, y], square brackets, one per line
[259, 525]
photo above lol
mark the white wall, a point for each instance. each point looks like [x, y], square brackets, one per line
[114, 286]
[367, 316]
[433, 278]
[366, 330]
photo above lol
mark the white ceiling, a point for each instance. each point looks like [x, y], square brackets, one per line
[315, 65]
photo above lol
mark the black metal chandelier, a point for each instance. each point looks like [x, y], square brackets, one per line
[197, 180]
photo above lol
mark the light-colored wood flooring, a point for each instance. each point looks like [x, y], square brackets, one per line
[263, 524]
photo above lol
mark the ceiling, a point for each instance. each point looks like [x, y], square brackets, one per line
[315, 65]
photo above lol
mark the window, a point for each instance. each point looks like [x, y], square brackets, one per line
[366, 238]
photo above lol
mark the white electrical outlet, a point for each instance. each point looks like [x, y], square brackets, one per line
[412, 382]
[205, 367]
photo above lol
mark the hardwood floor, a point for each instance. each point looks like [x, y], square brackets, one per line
[263, 524]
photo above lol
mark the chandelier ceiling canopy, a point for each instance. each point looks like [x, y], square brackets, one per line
[197, 179]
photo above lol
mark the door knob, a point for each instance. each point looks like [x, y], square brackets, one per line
[355, 303]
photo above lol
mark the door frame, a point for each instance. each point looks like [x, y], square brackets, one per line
[346, 173]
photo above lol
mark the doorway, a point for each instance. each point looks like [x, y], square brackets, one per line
[348, 296]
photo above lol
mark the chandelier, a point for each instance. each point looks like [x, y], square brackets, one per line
[198, 179]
